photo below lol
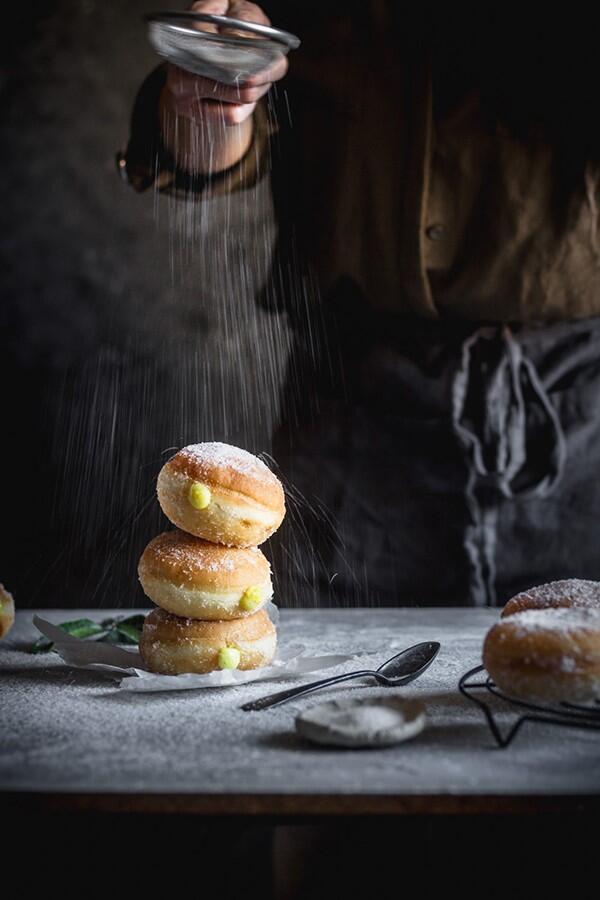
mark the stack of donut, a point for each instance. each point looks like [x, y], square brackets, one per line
[547, 644]
[208, 578]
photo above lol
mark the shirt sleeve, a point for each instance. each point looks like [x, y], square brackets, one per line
[146, 162]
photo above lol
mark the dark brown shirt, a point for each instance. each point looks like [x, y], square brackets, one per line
[444, 170]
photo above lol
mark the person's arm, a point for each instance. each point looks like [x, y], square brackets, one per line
[188, 131]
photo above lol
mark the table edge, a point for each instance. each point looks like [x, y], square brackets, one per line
[299, 805]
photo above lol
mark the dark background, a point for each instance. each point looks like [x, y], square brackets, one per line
[123, 339]
[120, 343]
[129, 322]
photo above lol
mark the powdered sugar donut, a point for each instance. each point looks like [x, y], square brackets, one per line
[7, 611]
[569, 592]
[193, 578]
[546, 654]
[173, 645]
[222, 494]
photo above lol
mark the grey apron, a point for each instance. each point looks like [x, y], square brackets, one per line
[438, 463]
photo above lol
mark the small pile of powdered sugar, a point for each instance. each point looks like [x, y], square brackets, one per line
[362, 722]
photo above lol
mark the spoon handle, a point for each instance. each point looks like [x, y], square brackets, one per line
[284, 696]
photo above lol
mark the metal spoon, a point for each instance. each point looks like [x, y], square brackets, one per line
[398, 670]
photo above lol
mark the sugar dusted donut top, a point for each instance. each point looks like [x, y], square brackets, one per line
[230, 468]
[187, 560]
[570, 592]
[561, 619]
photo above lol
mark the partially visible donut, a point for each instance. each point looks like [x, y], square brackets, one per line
[172, 645]
[222, 494]
[568, 592]
[546, 654]
[7, 611]
[195, 579]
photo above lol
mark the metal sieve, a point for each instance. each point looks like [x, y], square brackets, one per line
[228, 58]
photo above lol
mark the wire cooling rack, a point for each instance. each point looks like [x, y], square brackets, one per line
[477, 686]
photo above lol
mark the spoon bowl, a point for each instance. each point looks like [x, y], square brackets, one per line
[407, 665]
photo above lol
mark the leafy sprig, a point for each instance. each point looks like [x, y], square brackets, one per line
[119, 630]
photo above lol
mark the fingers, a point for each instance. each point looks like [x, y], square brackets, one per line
[185, 86]
[203, 99]
[226, 113]
[275, 71]
[213, 112]
[249, 12]
[214, 7]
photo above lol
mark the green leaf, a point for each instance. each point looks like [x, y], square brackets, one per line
[41, 646]
[110, 631]
[137, 621]
[129, 633]
[80, 628]
[112, 636]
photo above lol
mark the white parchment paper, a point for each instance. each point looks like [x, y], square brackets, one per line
[126, 666]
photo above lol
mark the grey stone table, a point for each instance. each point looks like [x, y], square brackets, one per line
[70, 739]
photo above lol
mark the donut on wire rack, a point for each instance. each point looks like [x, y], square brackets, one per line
[550, 654]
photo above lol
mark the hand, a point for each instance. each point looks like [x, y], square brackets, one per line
[209, 102]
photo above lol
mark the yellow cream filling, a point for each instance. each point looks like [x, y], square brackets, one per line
[251, 599]
[199, 495]
[229, 658]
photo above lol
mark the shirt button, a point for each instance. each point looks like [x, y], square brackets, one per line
[435, 232]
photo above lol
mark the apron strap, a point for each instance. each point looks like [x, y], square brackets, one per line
[500, 408]
[494, 416]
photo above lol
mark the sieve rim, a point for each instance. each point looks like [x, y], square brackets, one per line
[174, 21]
